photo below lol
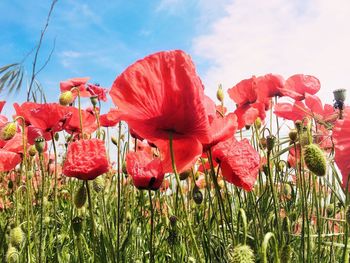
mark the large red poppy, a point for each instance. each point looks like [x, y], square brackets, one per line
[297, 86]
[8, 160]
[162, 95]
[96, 90]
[109, 119]
[247, 114]
[86, 159]
[146, 171]
[239, 161]
[341, 135]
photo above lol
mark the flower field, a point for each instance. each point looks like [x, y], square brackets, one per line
[169, 174]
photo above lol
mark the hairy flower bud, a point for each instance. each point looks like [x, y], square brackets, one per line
[197, 195]
[220, 94]
[8, 131]
[66, 98]
[98, 184]
[80, 197]
[286, 254]
[315, 159]
[32, 151]
[270, 142]
[241, 254]
[16, 236]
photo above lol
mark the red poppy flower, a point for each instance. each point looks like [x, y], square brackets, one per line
[73, 124]
[299, 111]
[221, 129]
[162, 95]
[297, 86]
[146, 172]
[341, 135]
[86, 159]
[239, 161]
[109, 119]
[24, 110]
[49, 117]
[79, 83]
[96, 90]
[244, 92]
[8, 160]
[247, 114]
[269, 86]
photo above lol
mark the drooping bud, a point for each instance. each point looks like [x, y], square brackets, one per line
[66, 98]
[80, 197]
[270, 142]
[258, 123]
[315, 159]
[330, 210]
[197, 195]
[12, 255]
[77, 224]
[98, 184]
[114, 141]
[16, 236]
[40, 144]
[241, 254]
[220, 94]
[124, 168]
[293, 135]
[8, 131]
[263, 143]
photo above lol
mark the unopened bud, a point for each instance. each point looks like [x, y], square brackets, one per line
[66, 98]
[270, 142]
[12, 255]
[220, 94]
[241, 254]
[114, 141]
[80, 197]
[8, 131]
[197, 195]
[315, 160]
[94, 100]
[184, 175]
[258, 123]
[98, 184]
[293, 135]
[32, 150]
[16, 236]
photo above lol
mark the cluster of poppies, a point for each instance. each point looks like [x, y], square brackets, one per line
[162, 100]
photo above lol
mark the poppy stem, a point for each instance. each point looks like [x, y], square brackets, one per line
[91, 217]
[183, 199]
[151, 255]
[55, 192]
[42, 205]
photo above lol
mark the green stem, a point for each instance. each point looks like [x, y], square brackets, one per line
[91, 218]
[151, 255]
[193, 239]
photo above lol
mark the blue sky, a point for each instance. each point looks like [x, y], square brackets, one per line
[229, 40]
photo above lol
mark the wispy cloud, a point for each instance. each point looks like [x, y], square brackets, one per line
[279, 36]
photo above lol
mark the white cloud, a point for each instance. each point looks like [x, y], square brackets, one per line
[278, 36]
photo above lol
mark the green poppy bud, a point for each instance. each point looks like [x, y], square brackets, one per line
[220, 94]
[77, 224]
[241, 254]
[98, 184]
[80, 197]
[66, 98]
[40, 144]
[315, 160]
[16, 236]
[12, 255]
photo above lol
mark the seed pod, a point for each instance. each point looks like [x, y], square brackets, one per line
[270, 142]
[339, 95]
[241, 254]
[77, 224]
[94, 100]
[293, 135]
[12, 255]
[315, 160]
[80, 197]
[40, 144]
[66, 98]
[8, 131]
[16, 236]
